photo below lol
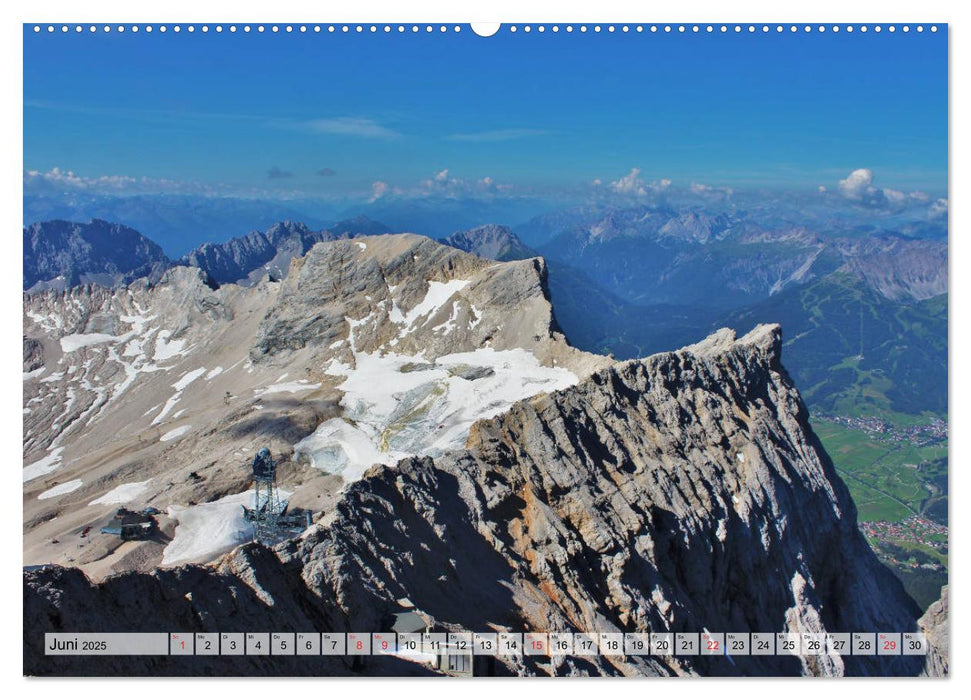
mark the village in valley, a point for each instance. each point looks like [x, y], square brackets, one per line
[922, 533]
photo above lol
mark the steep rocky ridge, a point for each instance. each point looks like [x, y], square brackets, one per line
[490, 241]
[935, 624]
[247, 259]
[244, 260]
[679, 492]
[61, 254]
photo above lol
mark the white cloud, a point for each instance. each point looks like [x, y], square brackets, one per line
[894, 197]
[57, 180]
[68, 179]
[938, 208]
[858, 187]
[378, 190]
[709, 190]
[442, 184]
[488, 184]
[351, 126]
[631, 183]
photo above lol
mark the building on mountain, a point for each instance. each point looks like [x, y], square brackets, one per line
[129, 525]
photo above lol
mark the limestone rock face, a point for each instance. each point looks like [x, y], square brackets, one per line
[935, 625]
[681, 492]
[371, 283]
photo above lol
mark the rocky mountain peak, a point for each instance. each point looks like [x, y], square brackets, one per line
[285, 229]
[681, 491]
[61, 254]
[762, 346]
[490, 241]
[247, 259]
[408, 294]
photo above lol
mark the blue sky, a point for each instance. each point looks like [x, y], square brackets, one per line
[333, 114]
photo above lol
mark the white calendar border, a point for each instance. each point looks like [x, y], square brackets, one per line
[507, 10]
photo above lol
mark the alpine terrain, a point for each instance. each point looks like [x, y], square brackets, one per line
[458, 458]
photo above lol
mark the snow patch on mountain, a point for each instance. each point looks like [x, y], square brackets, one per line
[175, 433]
[76, 341]
[124, 493]
[436, 297]
[294, 387]
[166, 349]
[397, 406]
[179, 387]
[43, 466]
[61, 489]
[207, 530]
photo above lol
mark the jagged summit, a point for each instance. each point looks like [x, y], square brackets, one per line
[282, 230]
[62, 254]
[661, 494]
[766, 337]
[247, 259]
[491, 241]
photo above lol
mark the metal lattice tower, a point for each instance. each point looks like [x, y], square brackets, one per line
[267, 506]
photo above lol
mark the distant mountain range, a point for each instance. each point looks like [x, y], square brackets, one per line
[438, 216]
[865, 315]
[60, 254]
[177, 222]
[246, 259]
[657, 256]
[865, 322]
